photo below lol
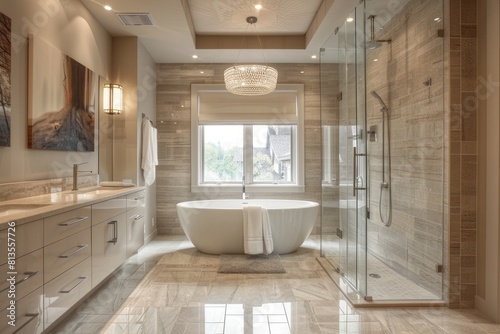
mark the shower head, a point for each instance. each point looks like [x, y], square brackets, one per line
[373, 43]
[375, 95]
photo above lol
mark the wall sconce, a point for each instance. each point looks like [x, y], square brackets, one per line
[112, 99]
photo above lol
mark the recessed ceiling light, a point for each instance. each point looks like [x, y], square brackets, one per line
[314, 57]
[108, 7]
[376, 59]
[195, 56]
[202, 72]
[437, 19]
[350, 19]
[302, 72]
[258, 7]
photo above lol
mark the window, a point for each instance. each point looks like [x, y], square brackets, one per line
[259, 138]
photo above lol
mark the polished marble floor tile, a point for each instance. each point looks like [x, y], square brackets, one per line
[169, 287]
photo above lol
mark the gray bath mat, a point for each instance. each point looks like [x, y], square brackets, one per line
[251, 264]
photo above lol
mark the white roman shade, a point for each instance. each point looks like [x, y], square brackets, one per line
[222, 107]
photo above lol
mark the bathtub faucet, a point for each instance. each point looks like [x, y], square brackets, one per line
[243, 183]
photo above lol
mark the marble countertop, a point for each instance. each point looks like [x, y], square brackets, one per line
[27, 209]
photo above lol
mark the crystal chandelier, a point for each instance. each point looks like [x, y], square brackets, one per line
[251, 79]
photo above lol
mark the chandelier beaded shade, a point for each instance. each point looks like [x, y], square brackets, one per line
[251, 79]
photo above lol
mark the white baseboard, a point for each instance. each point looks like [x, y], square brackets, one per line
[150, 237]
[485, 308]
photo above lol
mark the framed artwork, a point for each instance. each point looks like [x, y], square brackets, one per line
[5, 70]
[62, 100]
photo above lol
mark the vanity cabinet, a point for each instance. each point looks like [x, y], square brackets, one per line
[29, 315]
[28, 281]
[62, 257]
[64, 291]
[109, 237]
[66, 261]
[135, 221]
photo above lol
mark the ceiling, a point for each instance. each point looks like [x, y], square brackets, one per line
[291, 31]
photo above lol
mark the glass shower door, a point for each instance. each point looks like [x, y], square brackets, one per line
[352, 154]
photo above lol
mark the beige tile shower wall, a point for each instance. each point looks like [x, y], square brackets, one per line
[330, 148]
[174, 135]
[413, 244]
[463, 152]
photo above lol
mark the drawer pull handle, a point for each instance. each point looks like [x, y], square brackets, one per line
[115, 232]
[32, 317]
[73, 221]
[28, 274]
[80, 248]
[139, 198]
[137, 217]
[81, 280]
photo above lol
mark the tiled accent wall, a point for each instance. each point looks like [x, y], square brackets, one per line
[419, 240]
[330, 148]
[413, 244]
[174, 135]
[462, 45]
[16, 190]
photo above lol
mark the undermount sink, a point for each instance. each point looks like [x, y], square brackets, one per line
[10, 209]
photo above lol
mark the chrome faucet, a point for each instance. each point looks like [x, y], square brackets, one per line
[75, 174]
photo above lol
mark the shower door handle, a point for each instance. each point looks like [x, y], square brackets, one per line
[354, 171]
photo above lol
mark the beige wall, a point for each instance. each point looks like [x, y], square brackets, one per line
[146, 103]
[125, 60]
[68, 26]
[134, 69]
[461, 158]
[488, 256]
[174, 128]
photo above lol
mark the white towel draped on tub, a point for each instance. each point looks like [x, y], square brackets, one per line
[257, 236]
[149, 151]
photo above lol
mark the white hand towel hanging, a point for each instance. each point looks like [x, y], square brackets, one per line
[257, 236]
[267, 233]
[252, 230]
[149, 151]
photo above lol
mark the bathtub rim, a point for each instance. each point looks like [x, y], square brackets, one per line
[190, 204]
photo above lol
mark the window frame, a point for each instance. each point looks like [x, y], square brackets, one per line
[197, 149]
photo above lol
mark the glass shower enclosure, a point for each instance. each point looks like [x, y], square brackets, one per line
[382, 118]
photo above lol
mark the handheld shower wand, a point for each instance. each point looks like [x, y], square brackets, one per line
[385, 184]
[375, 95]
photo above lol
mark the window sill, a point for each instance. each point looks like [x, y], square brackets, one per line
[250, 188]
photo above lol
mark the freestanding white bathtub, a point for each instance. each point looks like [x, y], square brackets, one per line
[216, 226]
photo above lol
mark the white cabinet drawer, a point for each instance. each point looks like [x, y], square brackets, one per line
[62, 225]
[28, 238]
[28, 315]
[136, 199]
[66, 290]
[135, 230]
[29, 277]
[64, 254]
[108, 247]
[108, 209]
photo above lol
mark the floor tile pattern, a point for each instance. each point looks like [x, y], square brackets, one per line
[170, 287]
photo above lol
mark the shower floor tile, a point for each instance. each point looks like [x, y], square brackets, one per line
[389, 286]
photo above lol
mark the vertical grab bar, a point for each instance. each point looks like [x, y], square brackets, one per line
[354, 171]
